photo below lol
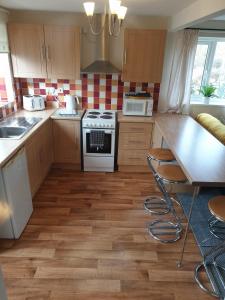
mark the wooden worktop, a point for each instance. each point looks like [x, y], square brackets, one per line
[134, 119]
[8, 147]
[199, 153]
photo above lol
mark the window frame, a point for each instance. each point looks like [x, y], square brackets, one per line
[211, 42]
[11, 93]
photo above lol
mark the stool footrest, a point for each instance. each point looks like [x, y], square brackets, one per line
[217, 228]
[165, 231]
[200, 284]
[156, 205]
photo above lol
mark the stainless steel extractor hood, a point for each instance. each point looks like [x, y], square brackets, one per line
[102, 65]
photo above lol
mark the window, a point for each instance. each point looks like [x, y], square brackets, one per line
[209, 67]
[6, 81]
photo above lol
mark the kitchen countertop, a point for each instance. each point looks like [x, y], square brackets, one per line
[8, 147]
[135, 119]
[57, 116]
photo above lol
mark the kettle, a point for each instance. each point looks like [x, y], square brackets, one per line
[71, 104]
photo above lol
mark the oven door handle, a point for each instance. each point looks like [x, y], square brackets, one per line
[105, 131]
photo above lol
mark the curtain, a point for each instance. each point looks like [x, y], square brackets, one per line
[179, 88]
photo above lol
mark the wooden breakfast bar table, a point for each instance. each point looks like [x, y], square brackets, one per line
[200, 155]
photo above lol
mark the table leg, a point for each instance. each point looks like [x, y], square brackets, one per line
[195, 194]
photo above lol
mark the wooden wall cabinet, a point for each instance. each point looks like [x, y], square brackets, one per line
[143, 55]
[134, 142]
[66, 134]
[27, 50]
[39, 152]
[45, 51]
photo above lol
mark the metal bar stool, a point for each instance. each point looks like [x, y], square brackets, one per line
[163, 230]
[156, 204]
[212, 260]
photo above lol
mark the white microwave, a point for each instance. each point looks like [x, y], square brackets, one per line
[137, 104]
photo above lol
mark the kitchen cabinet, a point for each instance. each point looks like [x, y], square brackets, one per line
[15, 193]
[66, 134]
[62, 51]
[143, 55]
[27, 50]
[39, 155]
[45, 51]
[134, 142]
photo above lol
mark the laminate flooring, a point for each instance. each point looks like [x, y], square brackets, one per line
[87, 240]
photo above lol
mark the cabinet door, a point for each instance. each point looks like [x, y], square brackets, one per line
[66, 135]
[27, 50]
[143, 55]
[62, 51]
[39, 151]
[134, 142]
[133, 157]
[33, 163]
[45, 148]
[135, 136]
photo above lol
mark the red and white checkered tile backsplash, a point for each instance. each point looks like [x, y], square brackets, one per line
[103, 91]
[96, 91]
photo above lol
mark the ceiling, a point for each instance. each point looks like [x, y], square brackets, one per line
[135, 7]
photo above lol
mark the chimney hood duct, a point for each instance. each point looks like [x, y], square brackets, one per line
[102, 65]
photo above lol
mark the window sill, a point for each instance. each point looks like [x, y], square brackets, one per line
[212, 102]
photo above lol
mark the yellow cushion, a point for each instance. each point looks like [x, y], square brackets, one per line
[213, 125]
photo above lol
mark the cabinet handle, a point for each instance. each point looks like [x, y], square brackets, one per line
[43, 52]
[134, 142]
[137, 130]
[48, 52]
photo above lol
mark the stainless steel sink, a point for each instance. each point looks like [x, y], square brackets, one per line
[12, 132]
[16, 127]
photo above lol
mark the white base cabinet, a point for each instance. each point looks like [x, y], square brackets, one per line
[15, 192]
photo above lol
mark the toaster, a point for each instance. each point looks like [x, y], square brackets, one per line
[32, 103]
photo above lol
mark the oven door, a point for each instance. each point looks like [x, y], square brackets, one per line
[107, 146]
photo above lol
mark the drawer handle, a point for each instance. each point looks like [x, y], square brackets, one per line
[135, 142]
[140, 130]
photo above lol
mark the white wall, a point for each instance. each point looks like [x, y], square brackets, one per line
[215, 110]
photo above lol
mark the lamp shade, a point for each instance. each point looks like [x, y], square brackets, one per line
[122, 12]
[114, 6]
[89, 8]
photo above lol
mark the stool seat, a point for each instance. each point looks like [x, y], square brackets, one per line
[171, 173]
[217, 207]
[161, 154]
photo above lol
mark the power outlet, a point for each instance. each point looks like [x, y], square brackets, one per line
[50, 91]
[60, 90]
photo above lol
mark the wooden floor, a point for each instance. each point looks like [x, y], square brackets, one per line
[87, 239]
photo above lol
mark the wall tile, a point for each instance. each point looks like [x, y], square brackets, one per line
[100, 91]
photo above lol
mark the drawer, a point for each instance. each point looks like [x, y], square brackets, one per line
[134, 141]
[132, 157]
[136, 128]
